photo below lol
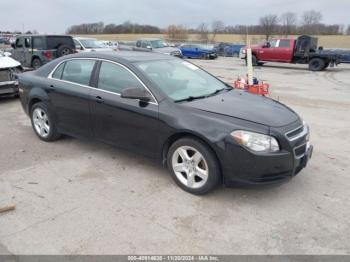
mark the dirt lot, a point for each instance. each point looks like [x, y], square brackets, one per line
[83, 197]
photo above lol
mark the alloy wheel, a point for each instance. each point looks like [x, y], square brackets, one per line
[66, 51]
[190, 167]
[41, 122]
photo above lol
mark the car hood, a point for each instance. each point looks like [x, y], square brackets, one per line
[8, 62]
[250, 107]
[164, 50]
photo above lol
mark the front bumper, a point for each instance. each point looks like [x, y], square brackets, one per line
[243, 167]
[8, 88]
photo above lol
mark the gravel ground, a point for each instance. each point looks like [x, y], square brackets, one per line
[83, 197]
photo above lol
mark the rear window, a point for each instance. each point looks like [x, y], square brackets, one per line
[284, 43]
[39, 43]
[78, 71]
[53, 42]
[58, 72]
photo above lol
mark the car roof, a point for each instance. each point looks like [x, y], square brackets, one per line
[123, 56]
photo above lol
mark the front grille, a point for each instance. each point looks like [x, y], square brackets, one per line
[295, 132]
[5, 75]
[300, 151]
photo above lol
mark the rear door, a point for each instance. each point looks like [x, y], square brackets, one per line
[69, 94]
[126, 123]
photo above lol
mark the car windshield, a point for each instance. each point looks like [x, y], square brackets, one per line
[158, 44]
[181, 80]
[91, 43]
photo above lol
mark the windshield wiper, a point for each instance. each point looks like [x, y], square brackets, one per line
[218, 91]
[190, 98]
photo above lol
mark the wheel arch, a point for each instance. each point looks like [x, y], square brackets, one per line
[175, 137]
[36, 95]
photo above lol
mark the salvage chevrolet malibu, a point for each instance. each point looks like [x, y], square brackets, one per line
[204, 131]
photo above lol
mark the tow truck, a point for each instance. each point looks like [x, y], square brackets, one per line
[303, 50]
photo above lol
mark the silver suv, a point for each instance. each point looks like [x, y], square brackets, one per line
[156, 45]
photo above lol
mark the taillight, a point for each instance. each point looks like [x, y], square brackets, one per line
[48, 54]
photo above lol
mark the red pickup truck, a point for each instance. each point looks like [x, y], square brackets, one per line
[303, 50]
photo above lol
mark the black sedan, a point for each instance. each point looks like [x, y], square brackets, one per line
[205, 132]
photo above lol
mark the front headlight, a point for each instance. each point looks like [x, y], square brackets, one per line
[256, 142]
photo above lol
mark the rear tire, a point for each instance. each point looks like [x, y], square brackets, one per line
[64, 50]
[36, 63]
[43, 122]
[193, 166]
[317, 64]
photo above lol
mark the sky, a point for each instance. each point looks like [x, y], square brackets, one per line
[55, 16]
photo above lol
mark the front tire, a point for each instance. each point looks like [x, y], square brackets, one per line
[193, 166]
[43, 122]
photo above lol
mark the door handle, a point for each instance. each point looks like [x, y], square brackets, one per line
[99, 100]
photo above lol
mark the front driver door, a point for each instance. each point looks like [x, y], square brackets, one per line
[126, 123]
[18, 51]
[267, 53]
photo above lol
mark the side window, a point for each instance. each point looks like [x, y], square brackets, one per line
[27, 42]
[145, 44]
[284, 43]
[58, 72]
[115, 78]
[138, 43]
[77, 45]
[38, 43]
[78, 71]
[273, 43]
[19, 42]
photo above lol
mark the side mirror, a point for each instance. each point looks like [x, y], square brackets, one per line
[7, 54]
[13, 45]
[136, 93]
[267, 45]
